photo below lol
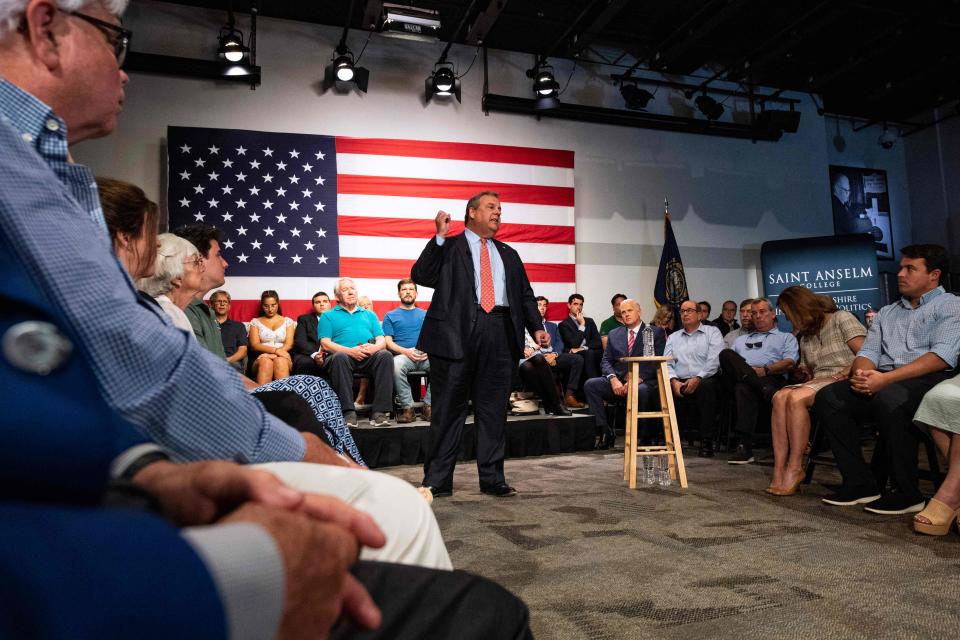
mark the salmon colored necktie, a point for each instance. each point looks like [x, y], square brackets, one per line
[486, 279]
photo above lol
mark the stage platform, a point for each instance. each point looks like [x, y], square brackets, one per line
[535, 435]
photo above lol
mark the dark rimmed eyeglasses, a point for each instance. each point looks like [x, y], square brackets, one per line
[117, 37]
[754, 345]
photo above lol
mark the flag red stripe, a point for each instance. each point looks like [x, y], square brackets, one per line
[395, 268]
[456, 151]
[452, 189]
[413, 228]
[245, 310]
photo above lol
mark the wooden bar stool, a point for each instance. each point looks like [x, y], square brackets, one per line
[667, 413]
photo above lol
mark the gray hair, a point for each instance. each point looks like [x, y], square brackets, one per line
[762, 299]
[220, 292]
[11, 11]
[171, 255]
[336, 287]
[474, 202]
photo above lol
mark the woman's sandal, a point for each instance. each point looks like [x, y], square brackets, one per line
[941, 518]
[792, 490]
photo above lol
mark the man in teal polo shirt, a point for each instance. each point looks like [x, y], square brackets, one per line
[354, 338]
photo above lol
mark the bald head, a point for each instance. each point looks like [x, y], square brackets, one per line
[630, 313]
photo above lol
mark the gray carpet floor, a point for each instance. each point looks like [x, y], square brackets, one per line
[593, 559]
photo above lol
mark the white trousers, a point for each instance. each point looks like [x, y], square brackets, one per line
[407, 521]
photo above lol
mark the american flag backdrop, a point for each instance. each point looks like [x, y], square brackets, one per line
[298, 211]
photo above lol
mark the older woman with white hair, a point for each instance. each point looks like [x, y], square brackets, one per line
[176, 278]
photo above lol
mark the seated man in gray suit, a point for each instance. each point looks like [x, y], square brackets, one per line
[623, 341]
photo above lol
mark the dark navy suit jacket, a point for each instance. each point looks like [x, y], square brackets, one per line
[617, 348]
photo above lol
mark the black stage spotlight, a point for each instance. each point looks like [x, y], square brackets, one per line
[778, 120]
[635, 97]
[230, 40]
[443, 82]
[887, 138]
[545, 86]
[709, 107]
[343, 70]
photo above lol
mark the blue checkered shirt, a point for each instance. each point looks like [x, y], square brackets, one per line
[900, 333]
[154, 375]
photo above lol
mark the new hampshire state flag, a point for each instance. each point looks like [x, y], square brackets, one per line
[671, 287]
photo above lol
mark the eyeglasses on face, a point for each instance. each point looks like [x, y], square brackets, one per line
[117, 37]
[196, 262]
[754, 345]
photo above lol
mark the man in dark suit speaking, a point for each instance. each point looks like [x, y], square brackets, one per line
[482, 302]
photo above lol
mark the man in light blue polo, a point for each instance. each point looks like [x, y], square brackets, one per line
[401, 328]
[695, 350]
[758, 365]
[354, 338]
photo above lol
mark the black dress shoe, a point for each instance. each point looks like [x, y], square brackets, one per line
[440, 493]
[499, 490]
[706, 449]
[607, 440]
[560, 410]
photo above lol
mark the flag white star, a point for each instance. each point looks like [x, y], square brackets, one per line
[241, 151]
[267, 178]
[281, 218]
[295, 206]
[198, 216]
[184, 175]
[214, 150]
[319, 155]
[282, 244]
[228, 244]
[295, 232]
[255, 244]
[322, 233]
[281, 192]
[199, 162]
[198, 189]
[254, 217]
[320, 180]
[213, 176]
[228, 163]
[254, 191]
[255, 164]
[268, 152]
[294, 154]
[227, 190]
[296, 259]
[184, 202]
[212, 203]
[241, 203]
[227, 217]
[322, 259]
[242, 257]
[294, 179]
[308, 167]
[242, 231]
[185, 149]
[269, 231]
[268, 205]
[307, 193]
[309, 246]
[307, 219]
[319, 206]
[242, 177]
[281, 166]
[269, 258]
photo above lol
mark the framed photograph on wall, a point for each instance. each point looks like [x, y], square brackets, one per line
[861, 204]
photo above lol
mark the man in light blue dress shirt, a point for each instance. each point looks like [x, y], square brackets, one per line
[695, 350]
[757, 365]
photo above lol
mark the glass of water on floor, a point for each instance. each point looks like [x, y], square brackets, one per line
[663, 475]
[649, 470]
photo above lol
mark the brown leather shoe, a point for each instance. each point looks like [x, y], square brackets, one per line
[407, 415]
[427, 411]
[572, 402]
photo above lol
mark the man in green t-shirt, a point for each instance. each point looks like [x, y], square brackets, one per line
[613, 321]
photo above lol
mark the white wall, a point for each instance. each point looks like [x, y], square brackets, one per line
[727, 196]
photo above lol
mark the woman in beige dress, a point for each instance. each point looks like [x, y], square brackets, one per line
[940, 411]
[829, 340]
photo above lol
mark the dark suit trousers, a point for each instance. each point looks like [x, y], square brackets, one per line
[304, 365]
[591, 362]
[571, 367]
[704, 402]
[537, 376]
[840, 411]
[597, 390]
[484, 375]
[750, 392]
[339, 369]
[428, 603]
